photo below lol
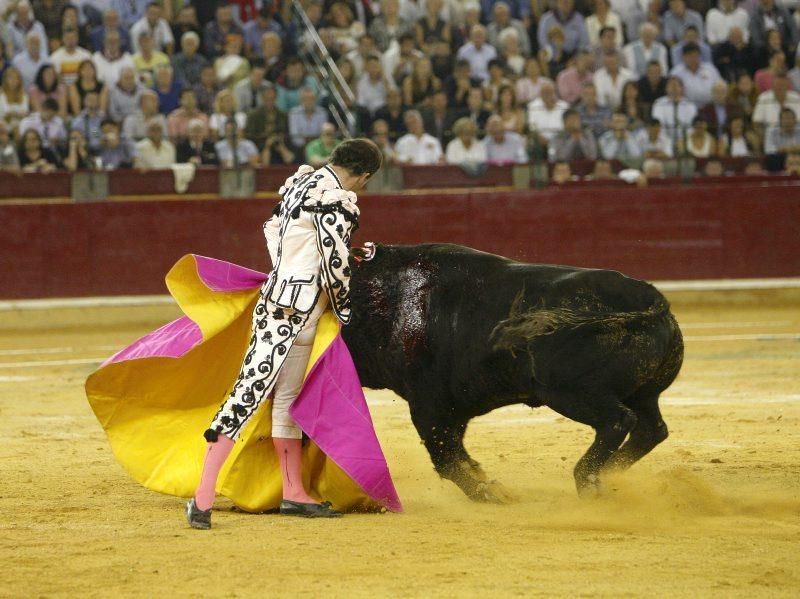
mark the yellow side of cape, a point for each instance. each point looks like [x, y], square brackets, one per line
[154, 410]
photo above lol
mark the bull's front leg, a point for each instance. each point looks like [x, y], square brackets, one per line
[444, 440]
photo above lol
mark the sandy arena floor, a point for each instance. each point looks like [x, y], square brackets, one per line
[715, 510]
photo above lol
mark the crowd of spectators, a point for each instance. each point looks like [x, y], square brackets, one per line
[135, 83]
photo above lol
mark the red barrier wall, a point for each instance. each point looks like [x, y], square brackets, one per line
[727, 231]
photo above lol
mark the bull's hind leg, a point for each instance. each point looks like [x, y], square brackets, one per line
[650, 430]
[444, 440]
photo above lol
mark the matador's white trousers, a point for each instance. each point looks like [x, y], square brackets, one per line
[276, 359]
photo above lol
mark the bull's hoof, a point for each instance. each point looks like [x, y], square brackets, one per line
[589, 487]
[492, 492]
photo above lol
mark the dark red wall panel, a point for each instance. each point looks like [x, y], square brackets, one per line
[109, 248]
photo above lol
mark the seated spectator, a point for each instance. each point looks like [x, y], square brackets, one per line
[69, 57]
[477, 52]
[770, 15]
[744, 94]
[717, 112]
[639, 54]
[272, 56]
[167, 89]
[123, 98]
[618, 143]
[154, 23]
[601, 171]
[47, 86]
[21, 22]
[652, 168]
[235, 151]
[79, 156]
[217, 31]
[476, 110]
[134, 127]
[545, 114]
[636, 111]
[569, 21]
[698, 77]
[9, 161]
[438, 119]
[594, 117]
[389, 25]
[47, 124]
[420, 85]
[417, 147]
[14, 103]
[458, 84]
[653, 85]
[673, 111]
[154, 152]
[392, 114]
[734, 56]
[643, 11]
[114, 152]
[318, 151]
[785, 138]
[607, 45]
[562, 173]
[769, 105]
[497, 79]
[207, 89]
[570, 81]
[509, 110]
[248, 90]
[677, 19]
[231, 67]
[148, 59]
[178, 120]
[343, 28]
[465, 147]
[294, 80]
[720, 21]
[554, 58]
[380, 135]
[72, 19]
[196, 147]
[574, 142]
[89, 121]
[188, 63]
[398, 61]
[31, 59]
[33, 156]
[110, 23]
[358, 57]
[225, 108]
[372, 86]
[603, 18]
[111, 60]
[610, 80]
[690, 36]
[185, 21]
[511, 52]
[86, 83]
[653, 141]
[502, 21]
[503, 147]
[306, 120]
[254, 30]
[713, 168]
[266, 121]
[700, 143]
[764, 77]
[738, 139]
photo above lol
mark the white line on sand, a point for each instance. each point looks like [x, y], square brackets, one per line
[745, 337]
[16, 379]
[44, 363]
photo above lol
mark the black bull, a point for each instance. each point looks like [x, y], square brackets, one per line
[458, 333]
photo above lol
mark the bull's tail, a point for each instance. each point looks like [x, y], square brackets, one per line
[522, 327]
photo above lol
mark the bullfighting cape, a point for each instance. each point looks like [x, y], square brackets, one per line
[155, 398]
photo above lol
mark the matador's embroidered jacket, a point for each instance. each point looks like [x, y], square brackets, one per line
[308, 240]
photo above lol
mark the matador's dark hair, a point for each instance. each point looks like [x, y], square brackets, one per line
[359, 156]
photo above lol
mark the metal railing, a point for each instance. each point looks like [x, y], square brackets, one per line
[319, 63]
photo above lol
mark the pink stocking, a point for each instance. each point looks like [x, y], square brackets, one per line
[218, 452]
[290, 456]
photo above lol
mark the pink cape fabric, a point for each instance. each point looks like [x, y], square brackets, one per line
[331, 408]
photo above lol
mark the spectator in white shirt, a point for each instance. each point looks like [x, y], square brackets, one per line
[69, 56]
[372, 86]
[234, 150]
[465, 148]
[503, 147]
[720, 21]
[153, 23]
[112, 59]
[770, 103]
[154, 152]
[653, 141]
[673, 111]
[47, 123]
[641, 53]
[478, 53]
[698, 77]
[601, 18]
[610, 80]
[29, 61]
[416, 146]
[545, 113]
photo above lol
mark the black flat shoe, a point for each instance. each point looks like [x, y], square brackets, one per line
[309, 510]
[197, 518]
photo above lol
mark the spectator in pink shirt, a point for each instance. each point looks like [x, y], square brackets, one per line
[570, 81]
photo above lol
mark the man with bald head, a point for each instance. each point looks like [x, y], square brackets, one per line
[110, 23]
[545, 113]
[477, 52]
[503, 147]
[647, 49]
[720, 110]
[502, 20]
